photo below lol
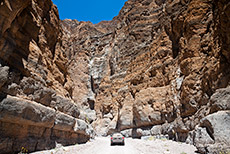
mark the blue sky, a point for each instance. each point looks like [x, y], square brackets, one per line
[89, 10]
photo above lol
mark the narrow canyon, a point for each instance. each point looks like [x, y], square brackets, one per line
[161, 67]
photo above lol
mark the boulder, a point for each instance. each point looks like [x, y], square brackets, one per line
[156, 130]
[220, 100]
[37, 127]
[127, 132]
[126, 113]
[213, 134]
[82, 127]
[65, 105]
[21, 111]
[4, 73]
[64, 122]
[150, 105]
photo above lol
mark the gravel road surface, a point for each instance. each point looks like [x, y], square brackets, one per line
[101, 145]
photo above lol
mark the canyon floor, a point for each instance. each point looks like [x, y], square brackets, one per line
[149, 145]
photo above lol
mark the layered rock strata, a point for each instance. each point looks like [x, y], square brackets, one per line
[36, 106]
[154, 68]
[159, 67]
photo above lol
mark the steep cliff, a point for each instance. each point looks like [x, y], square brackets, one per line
[156, 66]
[159, 67]
[36, 109]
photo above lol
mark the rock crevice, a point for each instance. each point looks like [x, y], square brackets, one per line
[159, 67]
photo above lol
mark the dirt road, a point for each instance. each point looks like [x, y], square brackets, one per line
[101, 145]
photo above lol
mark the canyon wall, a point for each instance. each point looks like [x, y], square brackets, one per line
[159, 67]
[36, 107]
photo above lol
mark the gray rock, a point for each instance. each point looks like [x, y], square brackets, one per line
[220, 100]
[109, 115]
[4, 73]
[17, 110]
[179, 82]
[127, 132]
[88, 115]
[136, 133]
[37, 127]
[213, 133]
[218, 126]
[83, 128]
[201, 138]
[43, 96]
[29, 85]
[65, 105]
[13, 89]
[64, 122]
[144, 132]
[156, 130]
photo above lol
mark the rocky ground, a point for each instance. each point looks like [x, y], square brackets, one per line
[148, 145]
[161, 67]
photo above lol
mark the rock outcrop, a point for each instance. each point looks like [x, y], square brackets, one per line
[159, 67]
[212, 135]
[157, 64]
[36, 127]
[36, 106]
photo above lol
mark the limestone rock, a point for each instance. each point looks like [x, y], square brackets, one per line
[220, 100]
[64, 122]
[156, 130]
[31, 123]
[16, 110]
[159, 62]
[4, 73]
[65, 105]
[150, 106]
[213, 134]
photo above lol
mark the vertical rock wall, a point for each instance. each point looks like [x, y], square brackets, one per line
[159, 67]
[156, 65]
[36, 106]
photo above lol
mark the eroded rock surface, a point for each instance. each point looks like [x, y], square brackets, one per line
[158, 63]
[36, 106]
[159, 67]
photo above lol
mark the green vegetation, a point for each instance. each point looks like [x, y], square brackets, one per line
[23, 151]
[87, 119]
[224, 152]
[151, 138]
[183, 153]
[163, 139]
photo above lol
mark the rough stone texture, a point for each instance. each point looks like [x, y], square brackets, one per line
[152, 107]
[220, 100]
[36, 106]
[159, 62]
[156, 130]
[4, 73]
[212, 135]
[29, 124]
[156, 63]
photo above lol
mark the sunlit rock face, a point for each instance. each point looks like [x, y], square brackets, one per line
[36, 106]
[159, 67]
[157, 63]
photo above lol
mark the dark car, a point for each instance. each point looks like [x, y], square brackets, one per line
[117, 138]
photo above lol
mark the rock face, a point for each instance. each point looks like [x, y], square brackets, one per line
[36, 127]
[159, 67]
[36, 106]
[213, 133]
[156, 66]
